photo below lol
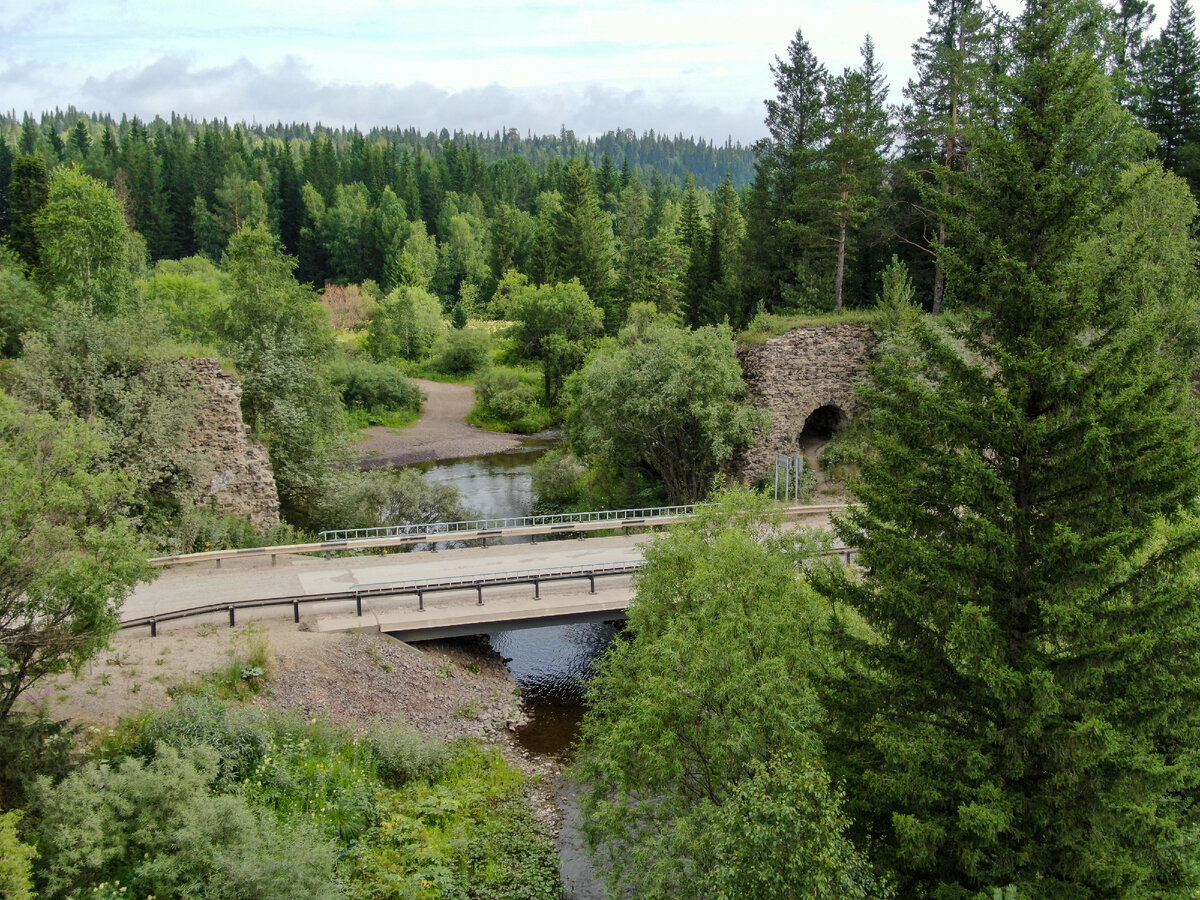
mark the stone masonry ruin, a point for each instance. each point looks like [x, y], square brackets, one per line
[233, 471]
[805, 379]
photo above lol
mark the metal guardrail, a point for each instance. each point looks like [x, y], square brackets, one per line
[418, 589]
[567, 523]
[439, 529]
[395, 589]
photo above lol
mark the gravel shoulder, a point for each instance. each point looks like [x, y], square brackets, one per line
[440, 433]
[449, 688]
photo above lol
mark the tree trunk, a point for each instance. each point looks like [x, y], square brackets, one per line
[841, 263]
[939, 277]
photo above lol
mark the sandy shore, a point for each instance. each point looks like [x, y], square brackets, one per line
[440, 433]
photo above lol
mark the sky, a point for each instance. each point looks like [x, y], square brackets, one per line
[693, 67]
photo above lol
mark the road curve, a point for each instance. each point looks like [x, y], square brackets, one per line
[440, 433]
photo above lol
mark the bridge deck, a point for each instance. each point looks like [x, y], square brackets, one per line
[518, 610]
[367, 580]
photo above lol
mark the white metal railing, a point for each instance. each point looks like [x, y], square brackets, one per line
[408, 535]
[616, 516]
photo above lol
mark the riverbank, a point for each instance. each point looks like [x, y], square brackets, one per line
[440, 433]
[451, 689]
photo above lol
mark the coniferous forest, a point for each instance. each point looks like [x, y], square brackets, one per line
[999, 699]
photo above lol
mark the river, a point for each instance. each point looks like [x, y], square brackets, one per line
[551, 664]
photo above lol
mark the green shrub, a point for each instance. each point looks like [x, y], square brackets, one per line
[375, 387]
[415, 818]
[405, 324]
[156, 828]
[465, 350]
[503, 396]
[557, 480]
[32, 747]
[201, 528]
[15, 860]
[239, 736]
[403, 754]
[398, 496]
[469, 833]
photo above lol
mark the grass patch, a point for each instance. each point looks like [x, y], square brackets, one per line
[769, 325]
[358, 418]
[243, 676]
[531, 423]
[426, 368]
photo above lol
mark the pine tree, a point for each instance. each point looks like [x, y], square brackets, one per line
[1028, 709]
[689, 214]
[289, 202]
[1131, 18]
[860, 134]
[1173, 86]
[950, 62]
[722, 296]
[782, 214]
[30, 136]
[54, 139]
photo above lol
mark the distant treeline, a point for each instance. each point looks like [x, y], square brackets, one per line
[647, 154]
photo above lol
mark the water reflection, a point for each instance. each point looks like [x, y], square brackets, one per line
[552, 665]
[496, 486]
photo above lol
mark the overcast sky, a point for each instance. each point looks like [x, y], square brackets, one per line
[696, 67]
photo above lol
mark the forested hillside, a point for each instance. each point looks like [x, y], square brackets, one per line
[806, 220]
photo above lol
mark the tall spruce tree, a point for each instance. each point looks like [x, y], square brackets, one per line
[1028, 710]
[782, 215]
[27, 192]
[1173, 90]
[6, 166]
[583, 239]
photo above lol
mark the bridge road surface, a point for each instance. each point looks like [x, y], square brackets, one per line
[184, 587]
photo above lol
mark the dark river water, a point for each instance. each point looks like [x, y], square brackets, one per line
[551, 664]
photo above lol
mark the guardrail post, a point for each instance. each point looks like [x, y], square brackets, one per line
[153, 628]
[536, 589]
[232, 620]
[296, 611]
[479, 595]
[592, 579]
[358, 603]
[421, 601]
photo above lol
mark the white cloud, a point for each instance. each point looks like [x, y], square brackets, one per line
[699, 66]
[288, 92]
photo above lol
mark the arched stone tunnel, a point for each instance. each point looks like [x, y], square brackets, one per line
[806, 381]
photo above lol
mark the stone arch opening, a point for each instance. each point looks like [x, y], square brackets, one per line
[822, 424]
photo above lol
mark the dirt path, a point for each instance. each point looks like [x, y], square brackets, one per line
[440, 433]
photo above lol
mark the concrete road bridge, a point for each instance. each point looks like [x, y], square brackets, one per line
[421, 595]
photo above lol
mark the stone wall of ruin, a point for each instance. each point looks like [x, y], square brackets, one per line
[794, 374]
